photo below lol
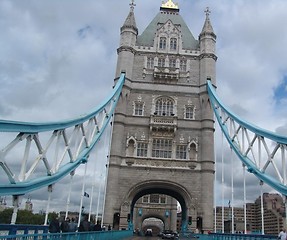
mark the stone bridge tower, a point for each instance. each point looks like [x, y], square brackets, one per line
[163, 130]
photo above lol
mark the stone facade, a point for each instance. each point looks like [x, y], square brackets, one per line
[163, 129]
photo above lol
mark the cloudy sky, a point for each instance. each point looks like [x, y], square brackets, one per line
[58, 59]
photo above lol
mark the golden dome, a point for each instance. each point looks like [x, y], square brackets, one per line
[169, 4]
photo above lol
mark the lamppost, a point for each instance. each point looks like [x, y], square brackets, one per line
[83, 210]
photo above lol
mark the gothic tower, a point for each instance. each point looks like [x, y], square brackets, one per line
[163, 129]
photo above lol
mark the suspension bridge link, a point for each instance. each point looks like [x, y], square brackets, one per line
[261, 151]
[36, 155]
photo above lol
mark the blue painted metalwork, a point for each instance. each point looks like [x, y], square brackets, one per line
[28, 127]
[22, 187]
[226, 236]
[104, 235]
[267, 134]
[184, 225]
[41, 232]
[14, 229]
[218, 106]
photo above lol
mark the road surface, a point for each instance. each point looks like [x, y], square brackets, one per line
[144, 238]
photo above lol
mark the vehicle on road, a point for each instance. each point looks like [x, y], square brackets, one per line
[148, 232]
[169, 234]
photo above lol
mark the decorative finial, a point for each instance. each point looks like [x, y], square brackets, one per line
[169, 4]
[132, 4]
[207, 12]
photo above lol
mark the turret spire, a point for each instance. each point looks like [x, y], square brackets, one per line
[207, 12]
[132, 5]
[130, 21]
[207, 27]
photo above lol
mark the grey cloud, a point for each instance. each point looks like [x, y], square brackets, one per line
[47, 72]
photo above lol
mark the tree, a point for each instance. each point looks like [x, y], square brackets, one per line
[5, 216]
[27, 217]
[23, 217]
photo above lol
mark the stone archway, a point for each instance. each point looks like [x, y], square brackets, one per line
[169, 188]
[157, 225]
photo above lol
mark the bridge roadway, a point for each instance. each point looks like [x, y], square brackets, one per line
[143, 238]
[152, 238]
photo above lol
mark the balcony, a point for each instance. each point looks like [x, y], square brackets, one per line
[166, 73]
[163, 125]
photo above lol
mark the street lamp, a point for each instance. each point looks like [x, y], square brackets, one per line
[83, 209]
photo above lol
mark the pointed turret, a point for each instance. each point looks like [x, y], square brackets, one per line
[130, 20]
[207, 40]
[126, 51]
[129, 30]
[207, 27]
[207, 36]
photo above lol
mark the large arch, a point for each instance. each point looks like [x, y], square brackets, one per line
[156, 216]
[169, 188]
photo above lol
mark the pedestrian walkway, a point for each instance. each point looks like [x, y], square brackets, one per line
[142, 237]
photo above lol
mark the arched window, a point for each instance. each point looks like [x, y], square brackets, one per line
[182, 65]
[164, 107]
[172, 63]
[173, 44]
[150, 62]
[189, 112]
[162, 43]
[161, 62]
[138, 109]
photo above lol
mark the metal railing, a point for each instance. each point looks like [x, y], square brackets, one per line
[103, 235]
[226, 236]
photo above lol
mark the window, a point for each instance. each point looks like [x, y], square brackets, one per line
[142, 149]
[173, 44]
[181, 152]
[172, 63]
[145, 199]
[138, 109]
[182, 65]
[189, 112]
[161, 62]
[154, 198]
[162, 43]
[164, 107]
[150, 62]
[162, 148]
[163, 199]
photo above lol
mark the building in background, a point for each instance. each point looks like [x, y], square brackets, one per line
[29, 205]
[274, 216]
[3, 204]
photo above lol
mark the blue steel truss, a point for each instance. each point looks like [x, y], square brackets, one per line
[261, 151]
[67, 145]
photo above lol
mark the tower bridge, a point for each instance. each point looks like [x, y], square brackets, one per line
[162, 150]
[163, 131]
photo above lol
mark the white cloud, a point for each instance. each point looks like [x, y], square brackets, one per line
[48, 72]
